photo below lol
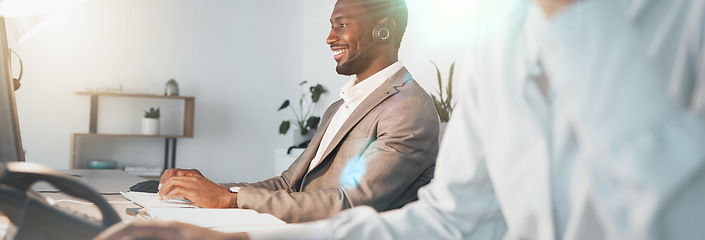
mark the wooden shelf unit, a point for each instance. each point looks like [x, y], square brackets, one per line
[189, 109]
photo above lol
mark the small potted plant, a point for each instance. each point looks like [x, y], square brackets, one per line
[150, 122]
[444, 105]
[171, 88]
[304, 119]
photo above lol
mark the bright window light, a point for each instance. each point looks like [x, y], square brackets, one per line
[441, 22]
[26, 8]
[456, 5]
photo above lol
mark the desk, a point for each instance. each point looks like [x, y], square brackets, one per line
[110, 183]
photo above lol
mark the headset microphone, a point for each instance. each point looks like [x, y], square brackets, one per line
[354, 58]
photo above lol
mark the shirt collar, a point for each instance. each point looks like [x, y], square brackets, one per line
[351, 92]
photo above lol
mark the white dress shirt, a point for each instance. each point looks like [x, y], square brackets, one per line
[352, 95]
[603, 153]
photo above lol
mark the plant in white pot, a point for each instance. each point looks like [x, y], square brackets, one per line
[150, 122]
[304, 119]
[444, 106]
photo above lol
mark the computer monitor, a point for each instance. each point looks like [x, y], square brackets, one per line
[10, 141]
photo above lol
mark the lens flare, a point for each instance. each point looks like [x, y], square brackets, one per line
[353, 172]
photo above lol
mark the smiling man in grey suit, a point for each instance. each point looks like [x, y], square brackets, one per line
[376, 146]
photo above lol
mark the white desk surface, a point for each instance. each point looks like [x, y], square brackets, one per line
[108, 182]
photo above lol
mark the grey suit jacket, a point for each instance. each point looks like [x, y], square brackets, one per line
[384, 152]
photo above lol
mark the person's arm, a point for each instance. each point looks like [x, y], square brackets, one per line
[191, 184]
[387, 167]
[283, 181]
[165, 230]
[641, 158]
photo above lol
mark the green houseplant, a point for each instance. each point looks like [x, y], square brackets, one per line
[152, 113]
[444, 106]
[150, 122]
[304, 118]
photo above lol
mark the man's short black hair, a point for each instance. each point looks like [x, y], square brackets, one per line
[396, 9]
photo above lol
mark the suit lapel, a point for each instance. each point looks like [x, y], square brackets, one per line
[315, 142]
[387, 89]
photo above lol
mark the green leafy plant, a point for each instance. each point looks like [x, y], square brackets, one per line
[305, 121]
[444, 106]
[152, 113]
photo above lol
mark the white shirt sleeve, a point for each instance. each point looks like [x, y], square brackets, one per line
[640, 171]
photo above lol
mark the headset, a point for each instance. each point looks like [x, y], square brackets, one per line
[382, 32]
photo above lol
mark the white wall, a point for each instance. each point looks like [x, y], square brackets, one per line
[239, 58]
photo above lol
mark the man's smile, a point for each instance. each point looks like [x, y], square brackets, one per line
[338, 52]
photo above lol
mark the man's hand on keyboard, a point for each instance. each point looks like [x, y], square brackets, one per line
[177, 172]
[192, 185]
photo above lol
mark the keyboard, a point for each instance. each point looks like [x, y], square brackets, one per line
[152, 200]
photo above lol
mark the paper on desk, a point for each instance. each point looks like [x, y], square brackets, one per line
[211, 217]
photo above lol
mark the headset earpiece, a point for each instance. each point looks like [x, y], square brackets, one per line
[382, 33]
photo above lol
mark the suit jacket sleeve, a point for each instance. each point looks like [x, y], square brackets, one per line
[394, 150]
[272, 184]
